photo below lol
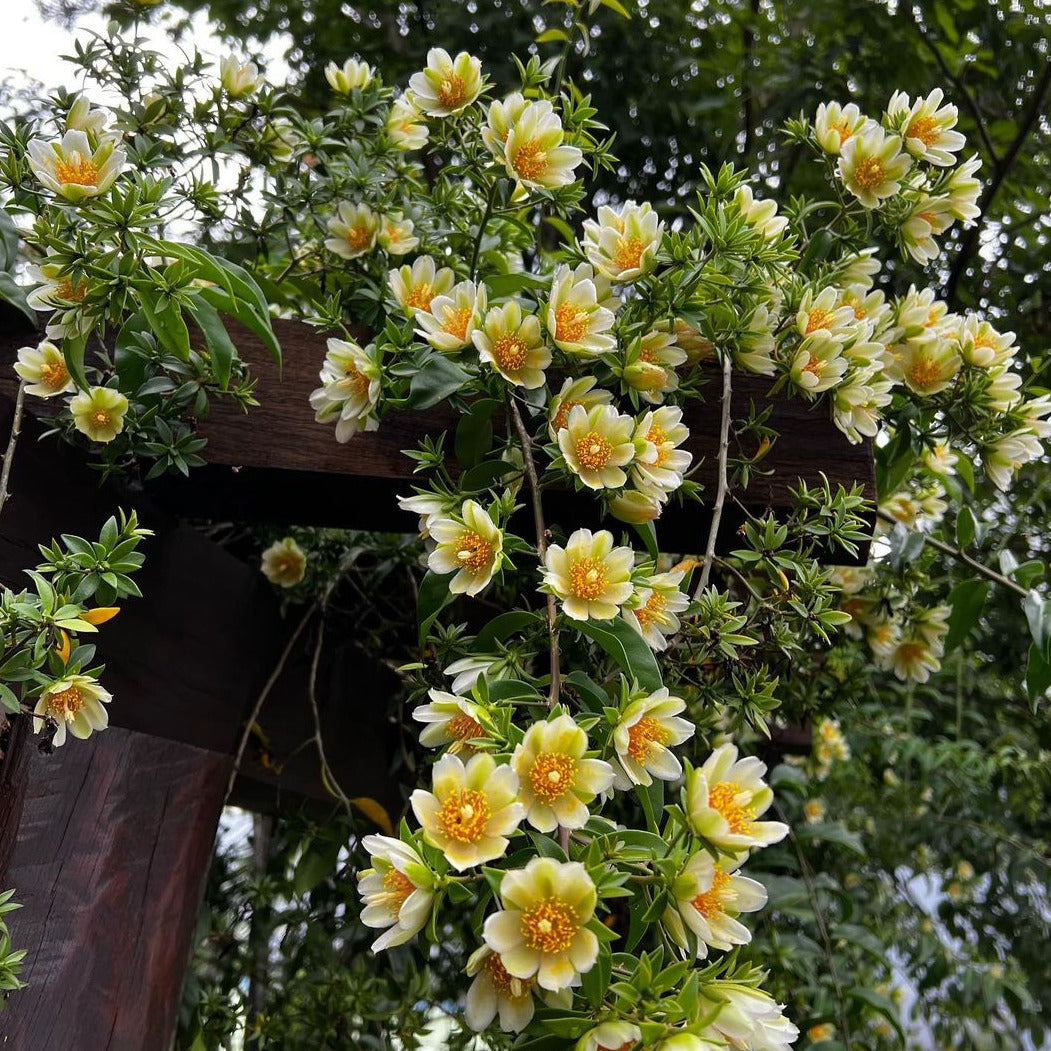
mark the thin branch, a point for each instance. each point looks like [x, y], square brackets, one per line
[12, 444]
[960, 555]
[328, 776]
[721, 485]
[541, 546]
[1000, 172]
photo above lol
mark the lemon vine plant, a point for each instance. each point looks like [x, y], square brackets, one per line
[591, 819]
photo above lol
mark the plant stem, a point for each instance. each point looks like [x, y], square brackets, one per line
[12, 444]
[721, 485]
[541, 546]
[489, 201]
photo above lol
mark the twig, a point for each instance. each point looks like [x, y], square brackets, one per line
[329, 778]
[12, 444]
[541, 546]
[263, 694]
[489, 201]
[962, 556]
[721, 485]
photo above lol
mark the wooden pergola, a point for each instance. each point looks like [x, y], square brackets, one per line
[108, 841]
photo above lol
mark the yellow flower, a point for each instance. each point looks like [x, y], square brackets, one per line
[502, 114]
[819, 1033]
[834, 124]
[983, 346]
[926, 126]
[914, 658]
[284, 563]
[725, 797]
[814, 811]
[818, 363]
[636, 507]
[450, 323]
[99, 413]
[825, 315]
[446, 85]
[470, 545]
[872, 165]
[76, 704]
[707, 898]
[589, 575]
[57, 291]
[747, 1017]
[354, 230]
[597, 445]
[663, 431]
[513, 345]
[82, 117]
[472, 810]
[760, 215]
[415, 287]
[963, 190]
[72, 168]
[610, 1036]
[43, 369]
[556, 782]
[658, 600]
[857, 403]
[533, 152]
[651, 370]
[575, 318]
[542, 930]
[398, 891]
[1004, 457]
[450, 720]
[573, 393]
[405, 125]
[645, 733]
[239, 78]
[353, 74]
[927, 365]
[495, 992]
[623, 243]
[349, 391]
[395, 234]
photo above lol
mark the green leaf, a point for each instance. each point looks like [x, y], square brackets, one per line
[434, 597]
[220, 346]
[316, 862]
[1037, 675]
[11, 292]
[966, 600]
[627, 647]
[166, 321]
[73, 349]
[966, 527]
[9, 241]
[832, 832]
[616, 5]
[881, 1004]
[474, 433]
[436, 380]
[503, 625]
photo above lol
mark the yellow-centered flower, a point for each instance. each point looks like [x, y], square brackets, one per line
[99, 413]
[415, 287]
[450, 324]
[73, 168]
[597, 445]
[354, 229]
[75, 703]
[43, 368]
[398, 891]
[284, 563]
[623, 242]
[589, 575]
[470, 545]
[646, 732]
[446, 85]
[513, 345]
[575, 317]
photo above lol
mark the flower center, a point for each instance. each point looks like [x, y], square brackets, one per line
[464, 815]
[923, 372]
[587, 578]
[530, 160]
[709, 903]
[818, 319]
[398, 888]
[593, 451]
[869, 173]
[420, 296]
[628, 254]
[814, 365]
[474, 551]
[452, 91]
[551, 775]
[456, 321]
[652, 612]
[723, 798]
[54, 374]
[79, 170]
[66, 290]
[550, 926]
[462, 727]
[563, 414]
[982, 340]
[66, 703]
[510, 352]
[570, 323]
[355, 381]
[925, 129]
[843, 130]
[286, 565]
[358, 237]
[911, 653]
[656, 435]
[506, 984]
[100, 418]
[643, 736]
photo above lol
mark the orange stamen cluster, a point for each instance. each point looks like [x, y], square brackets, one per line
[473, 551]
[587, 578]
[924, 371]
[643, 736]
[530, 159]
[709, 903]
[464, 815]
[451, 91]
[355, 381]
[504, 983]
[510, 352]
[551, 775]
[723, 797]
[456, 322]
[398, 888]
[79, 170]
[66, 703]
[570, 323]
[54, 374]
[593, 451]
[628, 253]
[869, 173]
[550, 926]
[652, 612]
[420, 296]
[358, 237]
[563, 414]
[925, 129]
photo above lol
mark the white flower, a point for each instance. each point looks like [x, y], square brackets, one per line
[1001, 391]
[513, 345]
[82, 117]
[472, 810]
[725, 797]
[826, 314]
[647, 730]
[589, 575]
[349, 391]
[450, 323]
[239, 78]
[533, 152]
[926, 126]
[651, 369]
[610, 1036]
[623, 243]
[495, 992]
[834, 124]
[446, 85]
[99, 413]
[597, 445]
[406, 127]
[637, 507]
[502, 114]
[58, 291]
[982, 346]
[963, 190]
[72, 169]
[756, 344]
[818, 363]
[354, 229]
[395, 234]
[43, 369]
[428, 506]
[352, 75]
[856, 404]
[748, 1018]
[707, 898]
[466, 672]
[929, 217]
[1003, 458]
[574, 392]
[284, 563]
[415, 287]
[662, 471]
[872, 165]
[397, 890]
[658, 601]
[75, 702]
[760, 215]
[542, 930]
[450, 720]
[926, 365]
[575, 318]
[470, 545]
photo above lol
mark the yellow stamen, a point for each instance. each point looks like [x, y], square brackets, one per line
[551, 775]
[588, 578]
[723, 797]
[628, 253]
[869, 173]
[709, 903]
[510, 352]
[65, 704]
[570, 323]
[465, 815]
[593, 451]
[550, 926]
[474, 551]
[79, 170]
[530, 159]
[643, 736]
